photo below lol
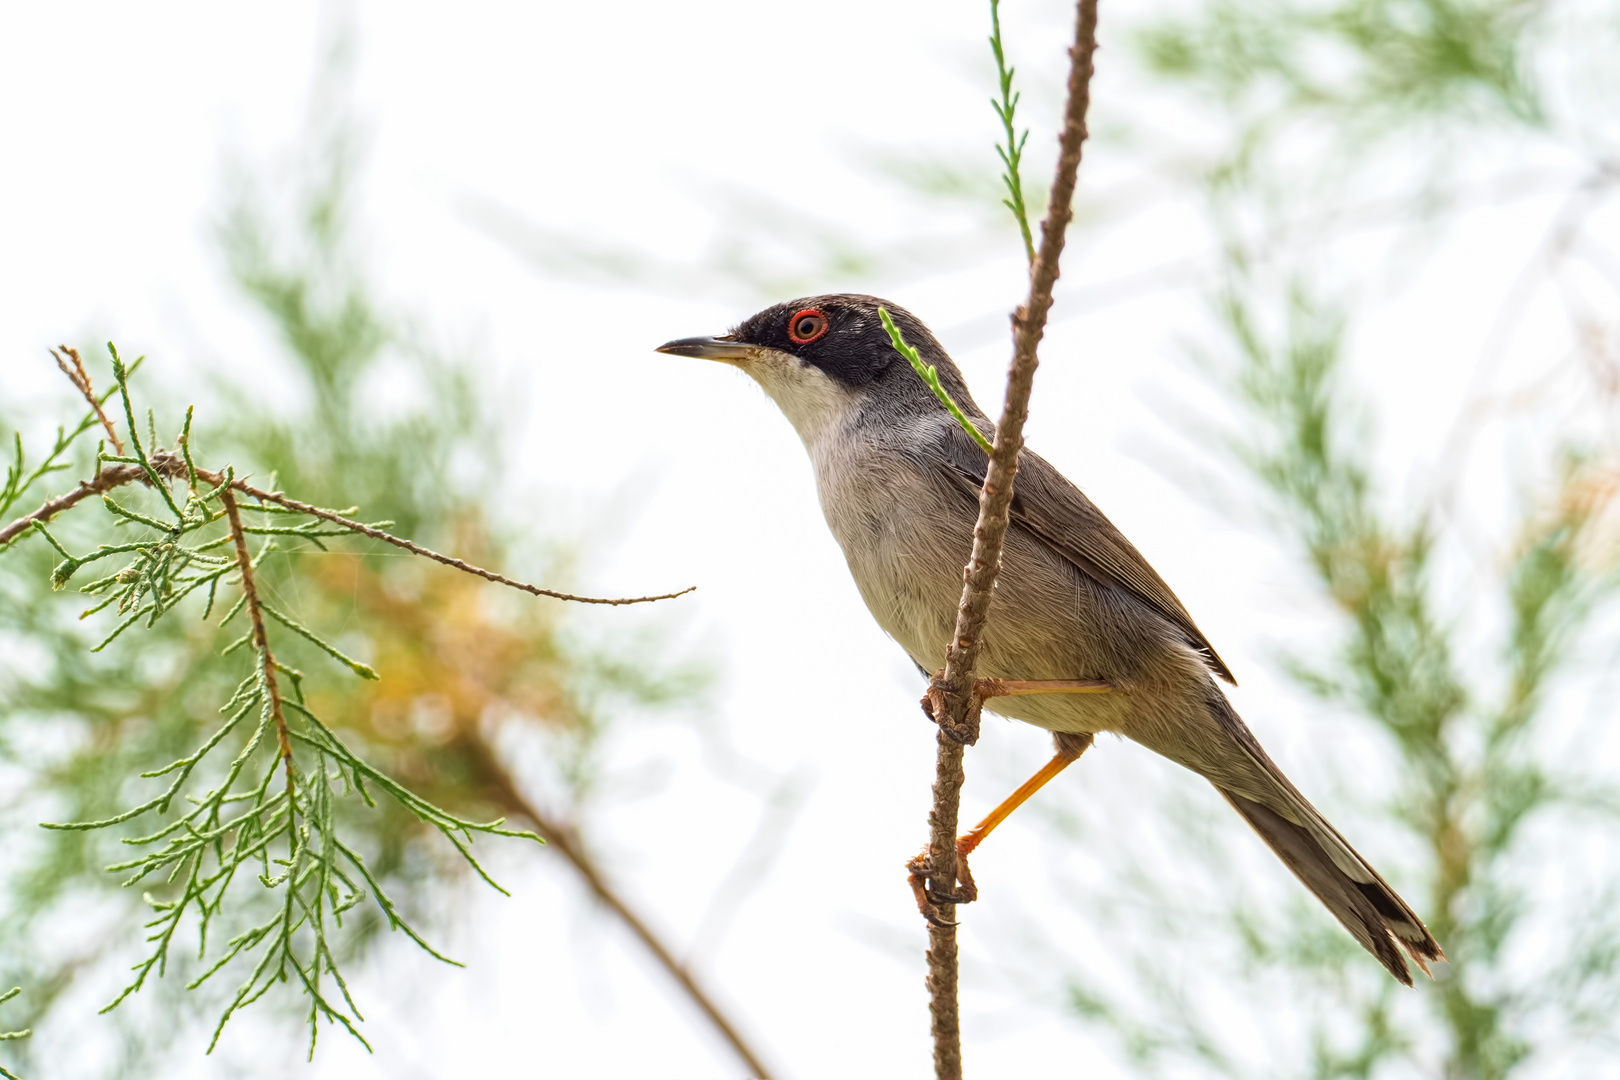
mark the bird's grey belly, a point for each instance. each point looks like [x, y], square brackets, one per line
[907, 538]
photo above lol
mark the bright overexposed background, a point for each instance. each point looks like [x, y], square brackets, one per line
[648, 127]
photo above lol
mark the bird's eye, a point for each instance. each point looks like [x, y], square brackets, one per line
[806, 326]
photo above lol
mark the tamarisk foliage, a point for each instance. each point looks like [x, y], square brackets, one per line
[1012, 154]
[254, 806]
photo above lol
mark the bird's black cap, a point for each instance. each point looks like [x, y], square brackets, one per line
[841, 334]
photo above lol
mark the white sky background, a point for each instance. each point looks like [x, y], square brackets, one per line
[630, 124]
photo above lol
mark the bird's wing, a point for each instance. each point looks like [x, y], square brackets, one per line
[1053, 509]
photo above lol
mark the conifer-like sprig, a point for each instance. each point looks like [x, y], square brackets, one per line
[929, 374]
[236, 825]
[1011, 154]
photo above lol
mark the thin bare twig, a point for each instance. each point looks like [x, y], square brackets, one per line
[951, 695]
[566, 842]
[80, 379]
[416, 549]
[171, 465]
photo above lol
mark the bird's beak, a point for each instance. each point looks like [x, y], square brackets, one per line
[709, 348]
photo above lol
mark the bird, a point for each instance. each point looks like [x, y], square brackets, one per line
[1084, 637]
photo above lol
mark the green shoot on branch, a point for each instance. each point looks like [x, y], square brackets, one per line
[930, 375]
[1013, 153]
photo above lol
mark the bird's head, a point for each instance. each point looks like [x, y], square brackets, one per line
[823, 358]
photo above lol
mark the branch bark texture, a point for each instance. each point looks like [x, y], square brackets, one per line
[261, 640]
[951, 695]
[110, 477]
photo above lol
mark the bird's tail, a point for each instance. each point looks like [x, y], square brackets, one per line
[1312, 848]
[1346, 884]
[1216, 743]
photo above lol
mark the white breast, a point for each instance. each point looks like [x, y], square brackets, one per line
[905, 543]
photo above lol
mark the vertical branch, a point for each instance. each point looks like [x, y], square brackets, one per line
[945, 1022]
[261, 640]
[951, 695]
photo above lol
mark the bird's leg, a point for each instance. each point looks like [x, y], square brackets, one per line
[1069, 749]
[989, 688]
[934, 705]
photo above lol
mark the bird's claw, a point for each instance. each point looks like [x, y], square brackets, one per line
[931, 898]
[966, 891]
[935, 706]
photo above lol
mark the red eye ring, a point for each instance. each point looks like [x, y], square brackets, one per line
[806, 326]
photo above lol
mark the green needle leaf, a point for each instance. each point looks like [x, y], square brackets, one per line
[930, 375]
[1012, 154]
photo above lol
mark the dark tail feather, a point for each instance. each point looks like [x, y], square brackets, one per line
[1372, 911]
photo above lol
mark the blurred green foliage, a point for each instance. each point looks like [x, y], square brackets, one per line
[1370, 65]
[1472, 694]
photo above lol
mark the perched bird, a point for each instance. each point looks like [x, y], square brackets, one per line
[1077, 607]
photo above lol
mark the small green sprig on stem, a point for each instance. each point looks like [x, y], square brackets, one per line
[930, 375]
[1012, 154]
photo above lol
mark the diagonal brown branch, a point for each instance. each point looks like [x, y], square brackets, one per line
[951, 694]
[110, 477]
[567, 844]
[261, 640]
